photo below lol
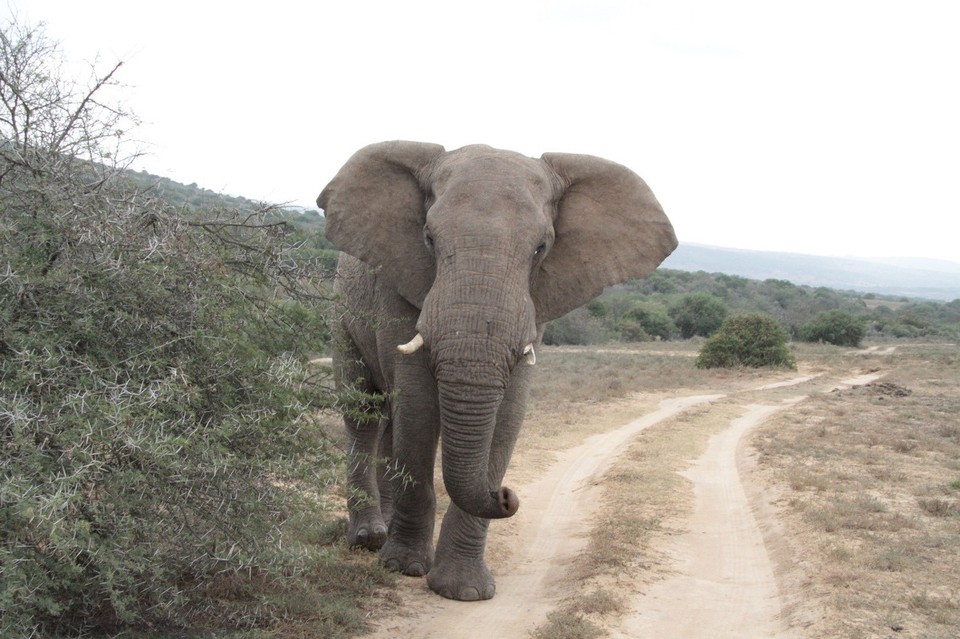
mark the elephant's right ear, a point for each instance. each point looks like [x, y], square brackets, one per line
[375, 210]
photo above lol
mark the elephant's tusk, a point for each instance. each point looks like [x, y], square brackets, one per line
[412, 346]
[530, 354]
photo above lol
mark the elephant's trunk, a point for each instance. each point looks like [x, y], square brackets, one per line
[476, 322]
[470, 396]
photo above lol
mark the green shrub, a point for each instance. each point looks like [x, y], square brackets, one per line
[752, 340]
[834, 327]
[659, 282]
[598, 308]
[631, 330]
[645, 321]
[698, 314]
[904, 330]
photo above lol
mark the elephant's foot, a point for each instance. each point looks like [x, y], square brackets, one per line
[366, 530]
[415, 560]
[462, 580]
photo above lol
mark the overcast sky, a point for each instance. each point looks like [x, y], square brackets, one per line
[825, 127]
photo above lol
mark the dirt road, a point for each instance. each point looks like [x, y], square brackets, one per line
[721, 562]
[722, 581]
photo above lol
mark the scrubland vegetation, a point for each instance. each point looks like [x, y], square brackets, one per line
[163, 465]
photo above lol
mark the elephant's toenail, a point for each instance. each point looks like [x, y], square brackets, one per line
[392, 565]
[469, 594]
[415, 569]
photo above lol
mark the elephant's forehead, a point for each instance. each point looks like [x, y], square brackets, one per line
[491, 169]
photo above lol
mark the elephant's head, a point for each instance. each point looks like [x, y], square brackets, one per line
[489, 245]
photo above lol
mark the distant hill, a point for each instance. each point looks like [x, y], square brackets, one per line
[906, 277]
[190, 195]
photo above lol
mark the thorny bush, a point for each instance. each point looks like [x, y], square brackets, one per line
[155, 389]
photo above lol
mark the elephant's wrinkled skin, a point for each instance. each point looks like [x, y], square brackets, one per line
[473, 251]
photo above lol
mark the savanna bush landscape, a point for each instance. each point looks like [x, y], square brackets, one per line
[172, 461]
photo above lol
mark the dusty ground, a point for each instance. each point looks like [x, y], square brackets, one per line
[653, 514]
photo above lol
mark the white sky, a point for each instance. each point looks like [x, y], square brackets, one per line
[813, 126]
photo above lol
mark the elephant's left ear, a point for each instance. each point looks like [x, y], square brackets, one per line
[609, 229]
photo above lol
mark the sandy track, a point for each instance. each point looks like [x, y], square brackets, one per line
[551, 529]
[722, 582]
[564, 502]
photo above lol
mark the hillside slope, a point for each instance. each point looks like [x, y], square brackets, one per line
[915, 278]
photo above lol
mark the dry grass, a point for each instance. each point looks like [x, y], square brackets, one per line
[577, 387]
[581, 391]
[870, 485]
[573, 375]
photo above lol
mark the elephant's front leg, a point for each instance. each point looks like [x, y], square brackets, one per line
[367, 527]
[416, 424]
[366, 426]
[459, 570]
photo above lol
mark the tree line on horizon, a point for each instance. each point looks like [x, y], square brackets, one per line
[672, 304]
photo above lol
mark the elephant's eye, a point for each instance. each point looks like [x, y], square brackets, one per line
[540, 250]
[428, 240]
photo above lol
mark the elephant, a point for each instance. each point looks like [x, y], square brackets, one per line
[451, 263]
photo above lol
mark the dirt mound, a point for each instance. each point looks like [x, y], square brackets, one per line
[878, 389]
[887, 389]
